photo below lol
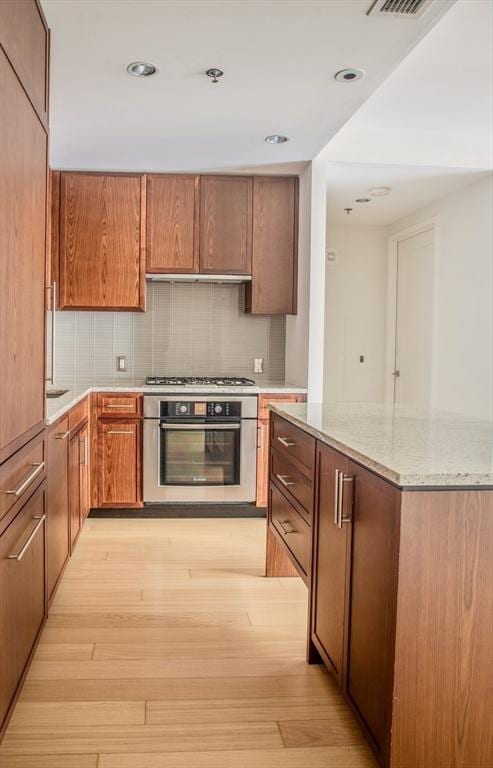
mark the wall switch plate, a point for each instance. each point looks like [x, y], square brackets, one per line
[121, 363]
[258, 365]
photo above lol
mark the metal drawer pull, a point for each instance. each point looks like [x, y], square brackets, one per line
[340, 517]
[31, 536]
[62, 435]
[336, 499]
[282, 523]
[286, 442]
[217, 426]
[122, 405]
[283, 479]
[32, 476]
[120, 432]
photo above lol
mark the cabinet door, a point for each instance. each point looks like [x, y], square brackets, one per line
[74, 488]
[84, 473]
[172, 221]
[102, 241]
[22, 593]
[226, 224]
[119, 463]
[372, 602]
[273, 290]
[57, 523]
[24, 37]
[23, 183]
[330, 567]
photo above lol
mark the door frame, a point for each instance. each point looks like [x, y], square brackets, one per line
[391, 314]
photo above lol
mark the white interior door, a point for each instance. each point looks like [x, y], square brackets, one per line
[414, 320]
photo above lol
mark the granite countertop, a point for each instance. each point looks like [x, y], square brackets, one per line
[410, 448]
[58, 406]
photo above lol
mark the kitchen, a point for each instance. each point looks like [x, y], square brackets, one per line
[234, 531]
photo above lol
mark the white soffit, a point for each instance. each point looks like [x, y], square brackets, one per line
[436, 108]
[279, 59]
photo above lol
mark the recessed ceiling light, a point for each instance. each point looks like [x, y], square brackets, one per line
[362, 200]
[276, 138]
[142, 69]
[349, 75]
[380, 191]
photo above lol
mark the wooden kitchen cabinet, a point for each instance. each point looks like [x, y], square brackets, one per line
[119, 462]
[273, 289]
[371, 599]
[85, 480]
[225, 233]
[23, 188]
[22, 594]
[172, 223]
[57, 523]
[331, 555]
[74, 489]
[102, 241]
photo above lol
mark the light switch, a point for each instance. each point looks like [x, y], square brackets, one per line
[121, 363]
[258, 365]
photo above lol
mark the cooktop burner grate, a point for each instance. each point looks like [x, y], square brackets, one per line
[198, 381]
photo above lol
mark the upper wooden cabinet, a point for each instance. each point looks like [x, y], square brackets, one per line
[273, 290]
[102, 241]
[226, 224]
[23, 187]
[172, 223]
[24, 37]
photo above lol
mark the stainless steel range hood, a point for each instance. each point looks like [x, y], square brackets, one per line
[194, 278]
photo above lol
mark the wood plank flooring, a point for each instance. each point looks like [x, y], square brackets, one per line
[167, 648]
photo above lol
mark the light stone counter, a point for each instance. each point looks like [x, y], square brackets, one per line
[57, 407]
[411, 449]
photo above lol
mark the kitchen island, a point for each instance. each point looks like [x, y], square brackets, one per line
[388, 516]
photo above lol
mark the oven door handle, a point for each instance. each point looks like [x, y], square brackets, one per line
[199, 426]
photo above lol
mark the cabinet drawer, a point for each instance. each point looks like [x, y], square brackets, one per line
[293, 530]
[20, 471]
[119, 405]
[22, 593]
[293, 443]
[78, 414]
[294, 482]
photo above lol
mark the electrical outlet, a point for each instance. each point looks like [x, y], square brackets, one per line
[258, 365]
[121, 363]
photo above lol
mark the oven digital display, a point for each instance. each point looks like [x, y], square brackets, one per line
[200, 409]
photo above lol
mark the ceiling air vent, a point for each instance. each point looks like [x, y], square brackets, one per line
[403, 9]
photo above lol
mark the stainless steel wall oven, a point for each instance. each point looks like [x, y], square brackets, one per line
[200, 448]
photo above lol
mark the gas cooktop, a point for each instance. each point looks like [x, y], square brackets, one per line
[198, 381]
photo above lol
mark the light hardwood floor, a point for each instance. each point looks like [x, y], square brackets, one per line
[166, 648]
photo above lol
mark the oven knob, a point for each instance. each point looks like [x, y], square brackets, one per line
[218, 408]
[183, 409]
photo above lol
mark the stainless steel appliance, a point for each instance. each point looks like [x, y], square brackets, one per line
[200, 448]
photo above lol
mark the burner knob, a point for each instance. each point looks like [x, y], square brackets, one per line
[183, 409]
[218, 408]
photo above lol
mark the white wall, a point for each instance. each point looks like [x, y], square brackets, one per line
[355, 295]
[462, 378]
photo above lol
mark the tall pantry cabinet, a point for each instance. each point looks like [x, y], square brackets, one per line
[24, 53]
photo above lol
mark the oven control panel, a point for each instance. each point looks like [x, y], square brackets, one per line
[200, 409]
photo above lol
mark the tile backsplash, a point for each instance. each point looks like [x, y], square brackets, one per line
[188, 329]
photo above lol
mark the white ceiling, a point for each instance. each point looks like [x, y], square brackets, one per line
[279, 60]
[436, 108]
[413, 187]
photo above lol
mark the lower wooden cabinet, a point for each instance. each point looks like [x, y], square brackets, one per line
[57, 519]
[74, 488]
[22, 593]
[119, 462]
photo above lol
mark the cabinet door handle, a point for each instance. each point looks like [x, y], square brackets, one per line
[20, 554]
[62, 435]
[284, 480]
[121, 405]
[119, 432]
[282, 523]
[341, 519]
[286, 442]
[38, 468]
[336, 498]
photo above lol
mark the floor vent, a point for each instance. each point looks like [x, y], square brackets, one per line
[403, 9]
